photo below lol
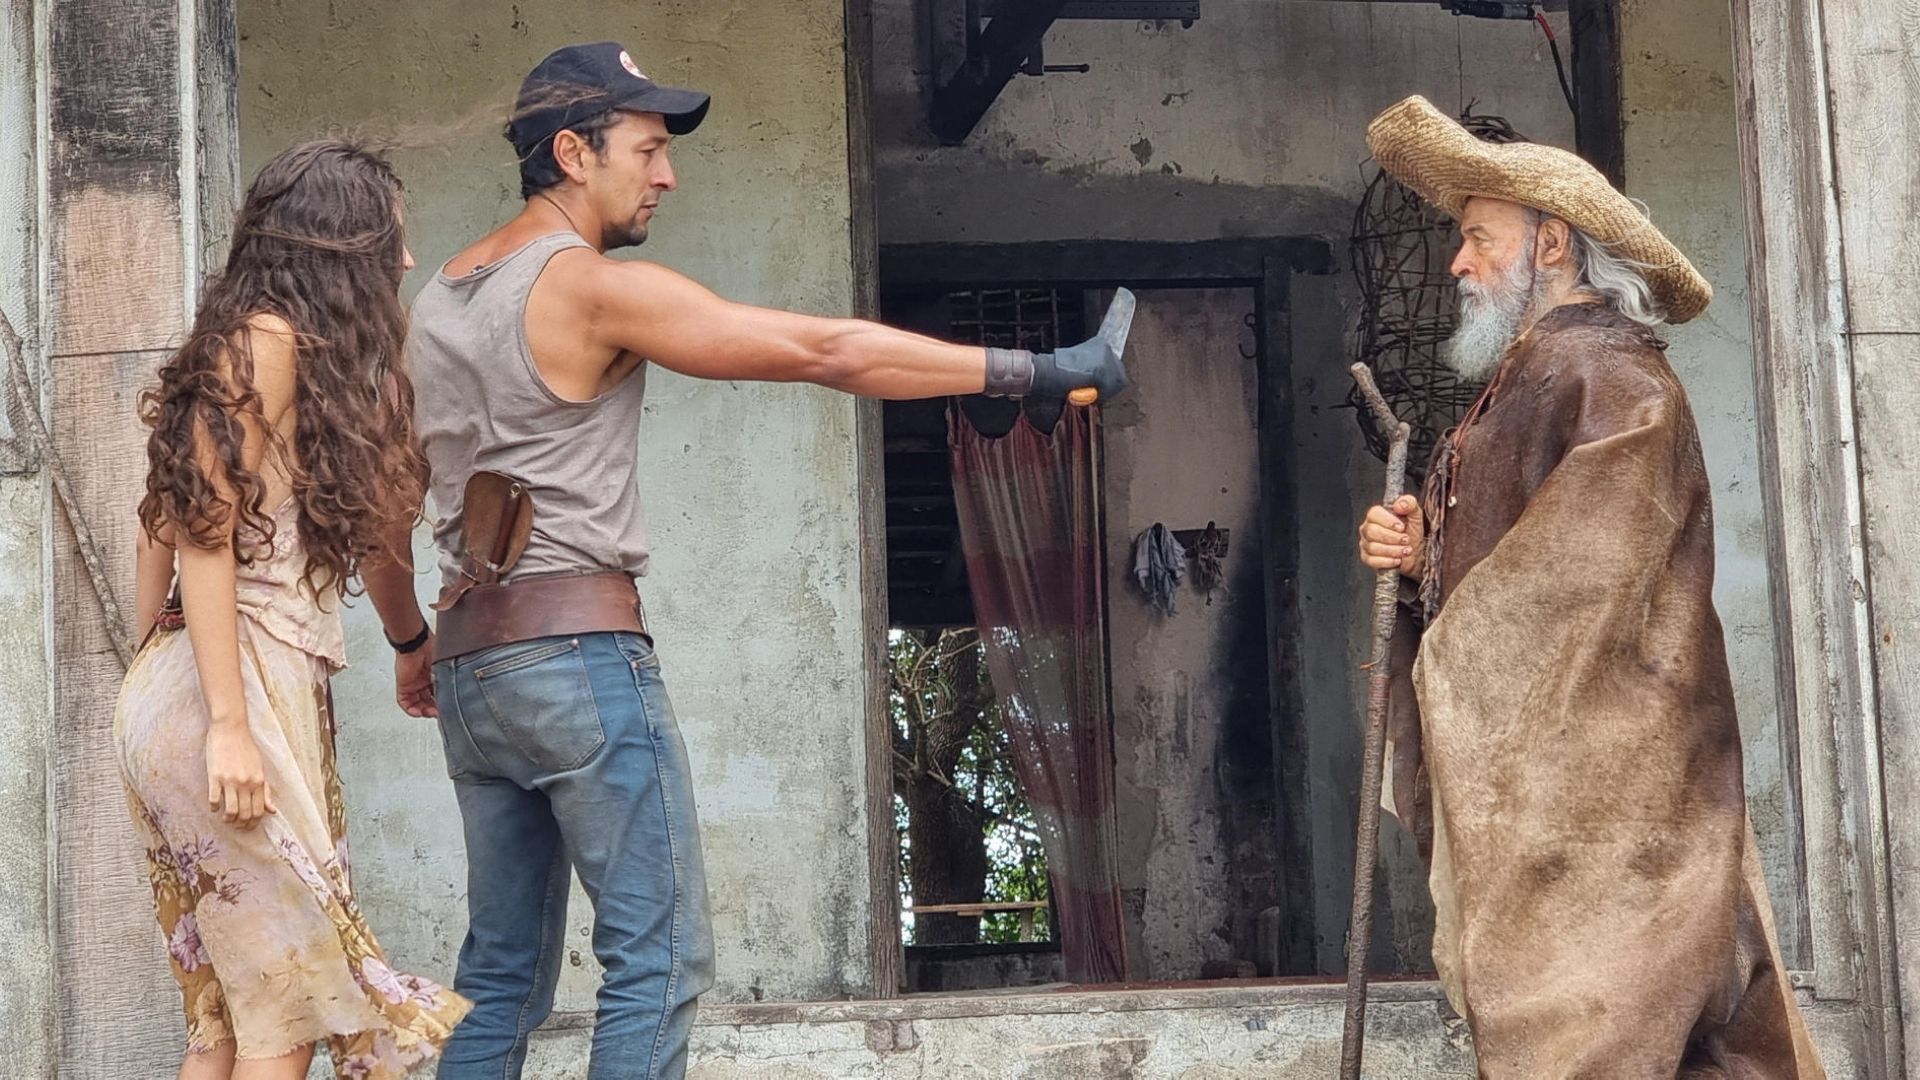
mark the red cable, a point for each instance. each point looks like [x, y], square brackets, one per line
[1541, 18]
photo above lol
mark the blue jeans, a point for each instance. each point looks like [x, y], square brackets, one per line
[564, 754]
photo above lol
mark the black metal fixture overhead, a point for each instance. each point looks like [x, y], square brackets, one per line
[1183, 11]
[1490, 9]
[1186, 11]
[1485, 9]
[1009, 44]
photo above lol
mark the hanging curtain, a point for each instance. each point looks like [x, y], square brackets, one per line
[1029, 525]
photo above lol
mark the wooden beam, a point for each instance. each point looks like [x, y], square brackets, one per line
[885, 961]
[28, 963]
[217, 100]
[115, 299]
[127, 162]
[982, 908]
[1803, 371]
[920, 612]
[1872, 83]
[1887, 367]
[1286, 670]
[20, 240]
[1602, 136]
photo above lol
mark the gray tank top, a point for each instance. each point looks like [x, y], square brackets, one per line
[481, 404]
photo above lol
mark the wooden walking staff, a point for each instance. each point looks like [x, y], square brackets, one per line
[1366, 845]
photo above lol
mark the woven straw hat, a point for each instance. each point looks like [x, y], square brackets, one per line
[1436, 157]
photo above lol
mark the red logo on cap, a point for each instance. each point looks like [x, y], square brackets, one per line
[627, 62]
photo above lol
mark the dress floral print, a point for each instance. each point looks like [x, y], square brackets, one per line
[267, 942]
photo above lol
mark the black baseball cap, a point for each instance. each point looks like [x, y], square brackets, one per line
[581, 81]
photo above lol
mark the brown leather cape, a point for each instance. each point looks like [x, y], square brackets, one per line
[1565, 745]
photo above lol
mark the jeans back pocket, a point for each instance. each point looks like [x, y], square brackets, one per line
[541, 699]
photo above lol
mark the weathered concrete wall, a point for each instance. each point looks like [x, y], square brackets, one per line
[1683, 161]
[1196, 786]
[755, 590]
[1249, 123]
[26, 948]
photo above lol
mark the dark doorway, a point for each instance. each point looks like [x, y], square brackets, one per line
[1245, 764]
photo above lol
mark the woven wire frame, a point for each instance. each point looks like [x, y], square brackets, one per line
[1401, 250]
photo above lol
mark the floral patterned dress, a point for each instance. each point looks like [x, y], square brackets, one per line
[268, 945]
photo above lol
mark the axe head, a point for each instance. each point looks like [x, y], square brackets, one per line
[1119, 321]
[1114, 329]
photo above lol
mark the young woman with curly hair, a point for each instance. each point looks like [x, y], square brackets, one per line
[282, 452]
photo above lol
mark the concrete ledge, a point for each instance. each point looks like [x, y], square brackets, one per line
[1268, 995]
[1216, 1032]
[1212, 1033]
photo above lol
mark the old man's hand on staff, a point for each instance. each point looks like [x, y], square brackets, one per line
[1395, 539]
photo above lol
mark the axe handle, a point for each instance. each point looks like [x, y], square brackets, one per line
[503, 539]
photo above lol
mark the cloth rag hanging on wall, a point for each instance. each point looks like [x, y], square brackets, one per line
[1159, 565]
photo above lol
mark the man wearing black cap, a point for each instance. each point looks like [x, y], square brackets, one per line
[530, 352]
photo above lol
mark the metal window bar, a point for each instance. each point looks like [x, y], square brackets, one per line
[1035, 319]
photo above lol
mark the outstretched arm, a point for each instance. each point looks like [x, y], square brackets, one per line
[650, 311]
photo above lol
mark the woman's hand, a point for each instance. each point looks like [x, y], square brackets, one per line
[236, 775]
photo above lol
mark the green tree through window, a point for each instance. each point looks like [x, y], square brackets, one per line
[966, 831]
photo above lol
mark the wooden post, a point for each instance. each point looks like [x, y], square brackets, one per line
[26, 723]
[1596, 86]
[885, 956]
[1828, 142]
[128, 161]
[1279, 508]
[1874, 95]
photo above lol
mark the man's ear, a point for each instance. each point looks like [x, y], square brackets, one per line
[570, 154]
[1553, 244]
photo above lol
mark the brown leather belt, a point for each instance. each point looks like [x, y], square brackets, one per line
[489, 615]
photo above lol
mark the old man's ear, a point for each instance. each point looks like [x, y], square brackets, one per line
[1553, 243]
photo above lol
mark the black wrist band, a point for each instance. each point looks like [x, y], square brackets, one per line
[1009, 372]
[414, 644]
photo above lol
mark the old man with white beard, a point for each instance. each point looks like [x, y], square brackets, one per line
[1564, 743]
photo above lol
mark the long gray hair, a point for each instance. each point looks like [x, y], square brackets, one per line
[1620, 281]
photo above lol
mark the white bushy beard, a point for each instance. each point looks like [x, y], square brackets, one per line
[1491, 315]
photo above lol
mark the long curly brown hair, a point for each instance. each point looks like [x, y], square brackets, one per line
[318, 242]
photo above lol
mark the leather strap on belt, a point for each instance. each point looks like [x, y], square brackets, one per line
[489, 615]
